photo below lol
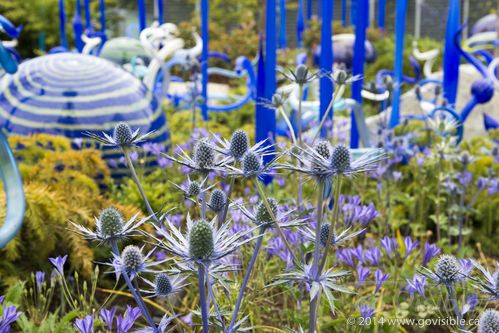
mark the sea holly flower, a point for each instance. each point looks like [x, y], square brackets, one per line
[300, 75]
[238, 145]
[447, 271]
[489, 322]
[193, 189]
[133, 262]
[164, 285]
[123, 136]
[218, 200]
[110, 226]
[252, 165]
[205, 243]
[261, 217]
[85, 325]
[417, 284]
[430, 251]
[380, 278]
[58, 263]
[340, 77]
[336, 239]
[325, 284]
[315, 165]
[204, 158]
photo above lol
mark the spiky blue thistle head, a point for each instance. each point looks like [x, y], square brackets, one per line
[495, 151]
[239, 143]
[301, 74]
[252, 162]
[162, 285]
[489, 322]
[193, 189]
[110, 223]
[123, 134]
[340, 158]
[341, 77]
[447, 269]
[201, 243]
[132, 258]
[262, 215]
[465, 158]
[323, 148]
[324, 234]
[218, 199]
[204, 154]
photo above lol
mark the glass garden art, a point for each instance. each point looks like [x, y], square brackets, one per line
[289, 166]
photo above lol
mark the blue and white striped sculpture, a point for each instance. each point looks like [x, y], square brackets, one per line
[69, 93]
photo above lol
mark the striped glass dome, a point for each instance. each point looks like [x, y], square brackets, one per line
[69, 93]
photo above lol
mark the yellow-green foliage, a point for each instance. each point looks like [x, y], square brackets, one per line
[61, 185]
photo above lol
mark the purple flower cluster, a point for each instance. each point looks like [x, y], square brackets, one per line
[354, 212]
[417, 284]
[8, 317]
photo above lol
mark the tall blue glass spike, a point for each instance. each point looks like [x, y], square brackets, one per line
[400, 14]
[204, 58]
[359, 56]
[326, 60]
[451, 54]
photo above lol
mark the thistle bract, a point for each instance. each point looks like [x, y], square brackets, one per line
[447, 269]
[489, 322]
[251, 162]
[123, 134]
[204, 155]
[163, 285]
[262, 213]
[201, 242]
[132, 258]
[323, 148]
[194, 189]
[340, 158]
[218, 200]
[110, 223]
[239, 143]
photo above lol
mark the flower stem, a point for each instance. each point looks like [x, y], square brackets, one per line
[455, 307]
[202, 292]
[336, 211]
[226, 208]
[271, 213]
[288, 123]
[313, 313]
[338, 92]
[300, 97]
[136, 294]
[246, 278]
[135, 178]
[211, 295]
[320, 203]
